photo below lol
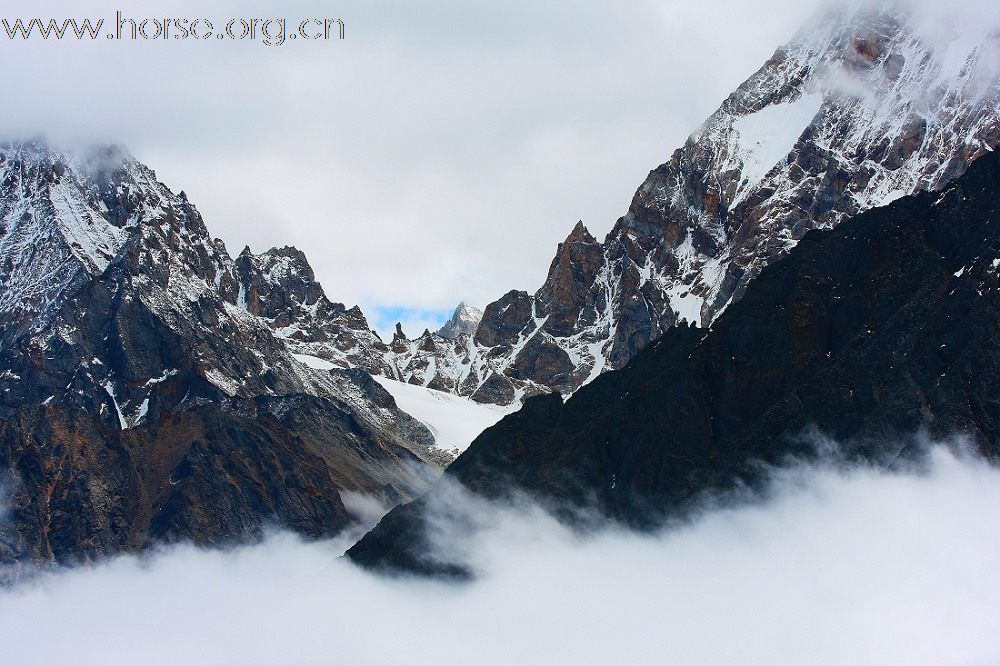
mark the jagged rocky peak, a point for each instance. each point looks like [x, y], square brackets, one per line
[97, 220]
[504, 319]
[280, 286]
[276, 281]
[563, 299]
[865, 105]
[464, 321]
[66, 216]
[868, 103]
[139, 403]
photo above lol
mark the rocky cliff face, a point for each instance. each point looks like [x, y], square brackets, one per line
[861, 108]
[144, 397]
[868, 333]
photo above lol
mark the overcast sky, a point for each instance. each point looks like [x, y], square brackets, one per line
[438, 153]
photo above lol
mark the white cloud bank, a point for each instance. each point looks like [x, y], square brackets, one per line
[859, 567]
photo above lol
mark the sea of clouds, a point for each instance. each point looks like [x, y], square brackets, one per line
[831, 566]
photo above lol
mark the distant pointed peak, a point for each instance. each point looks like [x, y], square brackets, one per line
[466, 310]
[580, 234]
[465, 319]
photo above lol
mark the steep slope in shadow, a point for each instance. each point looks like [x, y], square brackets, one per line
[867, 333]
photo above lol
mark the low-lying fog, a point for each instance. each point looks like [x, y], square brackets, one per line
[835, 567]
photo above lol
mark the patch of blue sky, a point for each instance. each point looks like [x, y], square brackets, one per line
[414, 320]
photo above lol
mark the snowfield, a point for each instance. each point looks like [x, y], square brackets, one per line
[314, 362]
[760, 140]
[455, 421]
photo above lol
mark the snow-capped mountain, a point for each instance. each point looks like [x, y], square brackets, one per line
[464, 321]
[148, 387]
[862, 107]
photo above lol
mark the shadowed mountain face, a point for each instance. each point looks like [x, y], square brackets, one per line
[869, 333]
[144, 398]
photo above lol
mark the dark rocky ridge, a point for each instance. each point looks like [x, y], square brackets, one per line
[869, 333]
